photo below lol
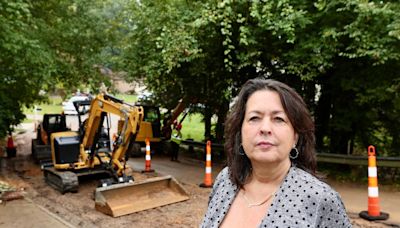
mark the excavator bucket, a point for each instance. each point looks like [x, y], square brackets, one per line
[122, 199]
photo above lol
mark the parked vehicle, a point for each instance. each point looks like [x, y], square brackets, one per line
[68, 106]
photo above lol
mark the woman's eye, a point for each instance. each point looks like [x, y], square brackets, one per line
[253, 118]
[279, 119]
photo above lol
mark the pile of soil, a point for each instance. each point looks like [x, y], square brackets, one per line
[78, 208]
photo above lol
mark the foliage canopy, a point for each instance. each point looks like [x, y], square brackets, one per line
[337, 54]
[342, 56]
[45, 44]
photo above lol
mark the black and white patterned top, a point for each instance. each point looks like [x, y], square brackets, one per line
[301, 201]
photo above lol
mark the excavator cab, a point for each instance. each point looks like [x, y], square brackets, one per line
[51, 123]
[152, 115]
[150, 128]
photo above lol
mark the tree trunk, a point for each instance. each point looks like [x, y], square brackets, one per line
[322, 116]
[221, 114]
[308, 94]
[395, 147]
[207, 122]
[339, 142]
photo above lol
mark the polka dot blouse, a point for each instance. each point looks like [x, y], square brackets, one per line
[301, 201]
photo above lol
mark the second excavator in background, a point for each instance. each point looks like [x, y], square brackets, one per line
[157, 133]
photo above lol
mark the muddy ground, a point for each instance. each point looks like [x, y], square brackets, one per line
[78, 208]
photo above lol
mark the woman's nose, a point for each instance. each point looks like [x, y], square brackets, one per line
[265, 128]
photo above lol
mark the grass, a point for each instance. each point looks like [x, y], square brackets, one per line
[127, 98]
[27, 120]
[44, 108]
[54, 105]
[193, 127]
[47, 108]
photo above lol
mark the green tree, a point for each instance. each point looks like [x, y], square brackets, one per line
[340, 55]
[363, 52]
[176, 57]
[47, 43]
[22, 61]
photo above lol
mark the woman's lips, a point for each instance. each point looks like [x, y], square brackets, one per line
[265, 145]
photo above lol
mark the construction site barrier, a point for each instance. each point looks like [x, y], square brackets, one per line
[147, 167]
[208, 177]
[374, 212]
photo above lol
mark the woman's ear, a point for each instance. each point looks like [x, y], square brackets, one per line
[296, 139]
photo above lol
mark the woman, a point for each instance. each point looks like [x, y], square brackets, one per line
[270, 179]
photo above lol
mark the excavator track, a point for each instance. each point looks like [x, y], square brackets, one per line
[63, 181]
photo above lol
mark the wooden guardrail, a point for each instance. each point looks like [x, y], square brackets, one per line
[325, 157]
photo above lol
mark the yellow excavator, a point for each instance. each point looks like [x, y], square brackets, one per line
[76, 154]
[151, 127]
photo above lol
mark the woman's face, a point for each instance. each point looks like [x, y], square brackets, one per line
[267, 134]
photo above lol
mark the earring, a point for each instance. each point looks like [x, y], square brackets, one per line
[296, 153]
[241, 150]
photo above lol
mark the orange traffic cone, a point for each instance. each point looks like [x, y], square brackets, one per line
[11, 150]
[147, 168]
[373, 212]
[208, 178]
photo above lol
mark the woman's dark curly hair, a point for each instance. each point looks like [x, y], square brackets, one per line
[298, 114]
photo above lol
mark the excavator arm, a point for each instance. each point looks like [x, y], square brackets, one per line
[169, 121]
[126, 198]
[131, 116]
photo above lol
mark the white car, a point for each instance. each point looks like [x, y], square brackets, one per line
[68, 106]
[144, 96]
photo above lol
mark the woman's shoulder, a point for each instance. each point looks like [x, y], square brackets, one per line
[302, 176]
[224, 172]
[326, 201]
[223, 177]
[223, 183]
